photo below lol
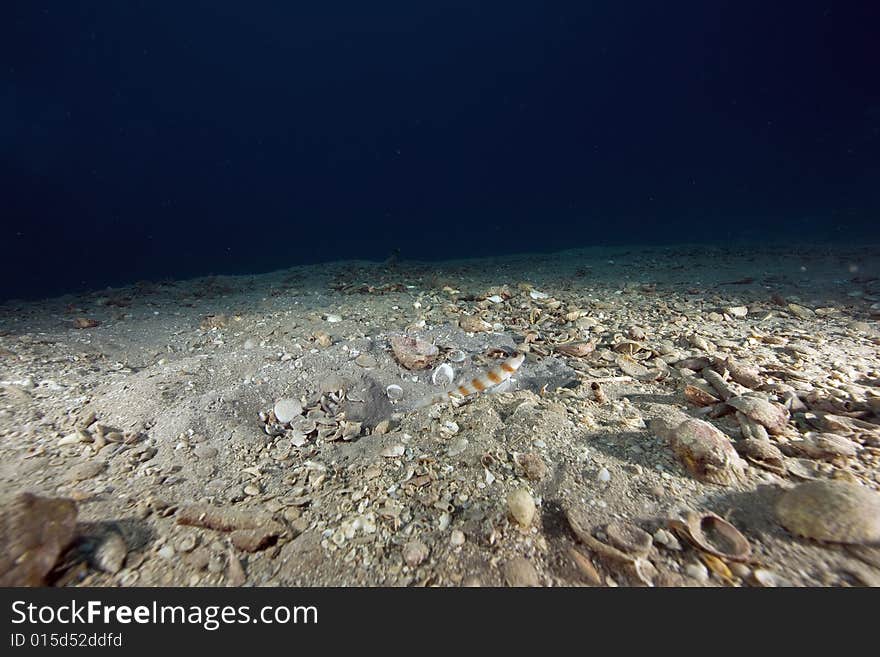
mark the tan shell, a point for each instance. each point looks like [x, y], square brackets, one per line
[85, 322]
[576, 349]
[413, 353]
[630, 367]
[629, 538]
[473, 324]
[762, 453]
[825, 446]
[698, 396]
[840, 424]
[742, 374]
[706, 451]
[802, 468]
[834, 511]
[628, 347]
[33, 533]
[713, 534]
[772, 415]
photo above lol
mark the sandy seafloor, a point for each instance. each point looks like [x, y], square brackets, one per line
[156, 421]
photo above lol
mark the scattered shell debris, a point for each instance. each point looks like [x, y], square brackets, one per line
[684, 416]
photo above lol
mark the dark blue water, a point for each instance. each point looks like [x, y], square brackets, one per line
[151, 140]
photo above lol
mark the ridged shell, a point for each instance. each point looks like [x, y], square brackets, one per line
[762, 453]
[825, 446]
[629, 538]
[443, 375]
[834, 511]
[772, 415]
[706, 451]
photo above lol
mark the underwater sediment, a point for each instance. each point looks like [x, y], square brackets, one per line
[682, 416]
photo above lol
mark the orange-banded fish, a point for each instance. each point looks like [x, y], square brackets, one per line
[486, 380]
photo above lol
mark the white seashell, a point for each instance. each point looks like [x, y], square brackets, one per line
[450, 428]
[333, 319]
[445, 519]
[494, 299]
[443, 375]
[537, 295]
[393, 451]
[287, 409]
[457, 356]
[394, 392]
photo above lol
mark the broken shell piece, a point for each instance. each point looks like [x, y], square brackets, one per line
[413, 353]
[630, 367]
[751, 429]
[629, 538]
[393, 451]
[576, 349]
[712, 534]
[303, 424]
[449, 428]
[825, 446]
[762, 453]
[456, 356]
[742, 374]
[839, 424]
[322, 338]
[443, 375]
[699, 397]
[637, 568]
[803, 469]
[298, 439]
[394, 392]
[772, 415]
[769, 579]
[473, 324]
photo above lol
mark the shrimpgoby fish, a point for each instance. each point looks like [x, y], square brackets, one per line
[486, 380]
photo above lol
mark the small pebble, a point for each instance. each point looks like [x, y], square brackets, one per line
[414, 553]
[533, 466]
[187, 543]
[393, 451]
[457, 538]
[111, 554]
[457, 446]
[204, 451]
[604, 476]
[698, 571]
[740, 570]
[521, 506]
[166, 552]
[666, 539]
[520, 572]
